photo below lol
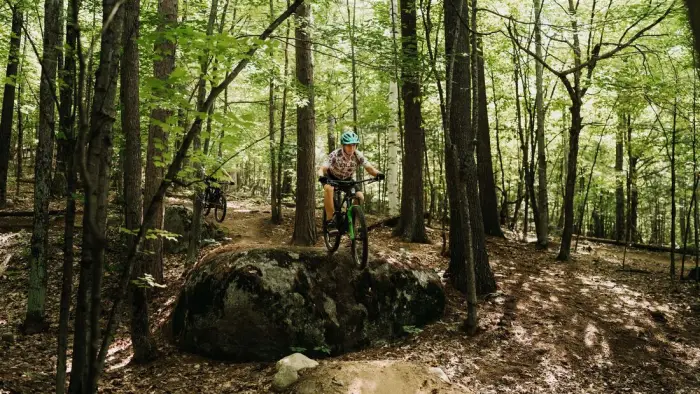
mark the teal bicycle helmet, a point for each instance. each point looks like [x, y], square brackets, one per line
[349, 138]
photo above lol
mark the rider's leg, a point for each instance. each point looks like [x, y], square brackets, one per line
[328, 201]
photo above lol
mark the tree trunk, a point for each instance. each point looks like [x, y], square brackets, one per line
[8, 99]
[456, 124]
[198, 197]
[574, 133]
[304, 223]
[542, 218]
[67, 126]
[35, 319]
[20, 129]
[487, 186]
[331, 133]
[274, 189]
[157, 137]
[143, 344]
[523, 147]
[392, 170]
[673, 192]
[619, 189]
[283, 118]
[411, 225]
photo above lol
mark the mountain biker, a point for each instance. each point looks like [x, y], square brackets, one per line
[341, 165]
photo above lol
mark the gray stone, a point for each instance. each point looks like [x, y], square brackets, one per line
[296, 361]
[178, 220]
[284, 378]
[259, 304]
[439, 373]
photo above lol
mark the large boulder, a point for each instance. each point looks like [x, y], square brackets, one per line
[178, 220]
[259, 304]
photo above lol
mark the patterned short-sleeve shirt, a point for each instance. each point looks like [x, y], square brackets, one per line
[343, 166]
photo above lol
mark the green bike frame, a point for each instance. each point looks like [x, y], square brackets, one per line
[351, 228]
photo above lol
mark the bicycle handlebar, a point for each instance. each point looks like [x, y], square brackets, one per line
[351, 183]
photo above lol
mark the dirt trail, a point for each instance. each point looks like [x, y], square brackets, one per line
[577, 327]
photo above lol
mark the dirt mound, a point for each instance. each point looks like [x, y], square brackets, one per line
[375, 377]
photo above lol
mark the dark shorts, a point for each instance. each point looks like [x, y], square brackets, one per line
[357, 188]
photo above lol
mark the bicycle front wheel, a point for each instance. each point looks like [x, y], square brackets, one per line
[359, 248]
[220, 208]
[332, 241]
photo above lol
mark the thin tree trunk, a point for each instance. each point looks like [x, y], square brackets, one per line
[35, 318]
[304, 223]
[8, 98]
[392, 169]
[411, 226]
[143, 344]
[102, 119]
[196, 229]
[673, 191]
[619, 189]
[163, 66]
[523, 146]
[67, 125]
[542, 200]
[283, 119]
[274, 189]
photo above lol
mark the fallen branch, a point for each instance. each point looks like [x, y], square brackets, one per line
[651, 248]
[6, 214]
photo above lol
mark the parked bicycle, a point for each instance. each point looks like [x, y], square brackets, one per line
[350, 220]
[214, 198]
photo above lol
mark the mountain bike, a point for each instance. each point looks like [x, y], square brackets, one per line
[350, 219]
[214, 198]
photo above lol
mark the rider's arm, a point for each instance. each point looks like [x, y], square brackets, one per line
[371, 170]
[323, 170]
[362, 160]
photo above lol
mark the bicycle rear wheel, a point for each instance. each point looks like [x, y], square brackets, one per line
[359, 248]
[332, 241]
[220, 208]
[206, 206]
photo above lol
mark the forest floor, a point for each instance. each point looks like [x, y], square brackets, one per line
[585, 326]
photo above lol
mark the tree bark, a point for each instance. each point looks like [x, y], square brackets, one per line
[304, 222]
[392, 171]
[143, 344]
[411, 226]
[487, 185]
[274, 189]
[574, 133]
[67, 126]
[198, 197]
[35, 319]
[163, 66]
[8, 99]
[619, 189]
[542, 200]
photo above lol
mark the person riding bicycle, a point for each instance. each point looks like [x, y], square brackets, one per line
[341, 165]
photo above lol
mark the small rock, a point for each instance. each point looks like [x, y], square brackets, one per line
[9, 203]
[337, 382]
[8, 337]
[440, 374]
[296, 362]
[294, 255]
[285, 377]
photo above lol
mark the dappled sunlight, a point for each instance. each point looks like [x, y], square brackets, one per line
[119, 354]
